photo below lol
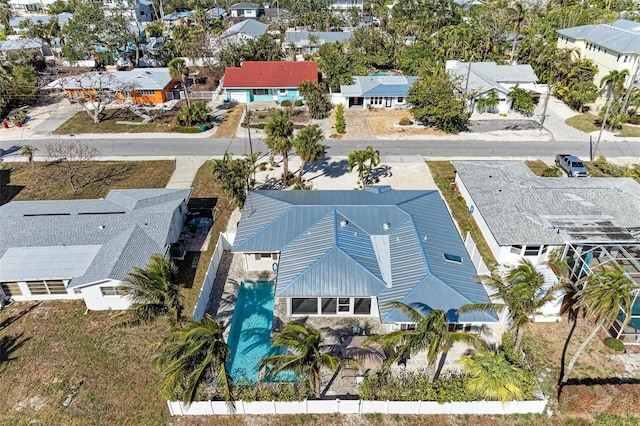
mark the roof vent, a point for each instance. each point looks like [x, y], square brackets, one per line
[386, 225]
[344, 222]
[425, 238]
[101, 227]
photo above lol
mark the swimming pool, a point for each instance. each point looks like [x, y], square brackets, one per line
[250, 332]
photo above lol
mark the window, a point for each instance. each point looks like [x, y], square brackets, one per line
[306, 306]
[408, 327]
[274, 256]
[56, 287]
[37, 288]
[283, 92]
[77, 291]
[516, 250]
[531, 250]
[452, 258]
[112, 291]
[329, 306]
[362, 306]
[260, 91]
[259, 256]
[145, 92]
[11, 289]
[344, 305]
[400, 100]
[376, 100]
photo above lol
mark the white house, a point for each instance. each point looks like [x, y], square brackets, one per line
[482, 78]
[612, 47]
[30, 6]
[249, 29]
[83, 249]
[246, 10]
[305, 42]
[375, 91]
[345, 5]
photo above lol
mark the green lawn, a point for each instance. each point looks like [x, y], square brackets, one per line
[629, 132]
[584, 122]
[444, 177]
[537, 166]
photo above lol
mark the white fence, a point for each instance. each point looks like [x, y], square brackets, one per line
[203, 408]
[88, 63]
[225, 241]
[476, 257]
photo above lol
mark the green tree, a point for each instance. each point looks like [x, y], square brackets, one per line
[306, 354]
[606, 293]
[580, 93]
[90, 26]
[235, 177]
[489, 102]
[194, 355]
[153, 292]
[436, 99]
[521, 100]
[340, 122]
[431, 335]
[41, 30]
[317, 99]
[279, 140]
[335, 65]
[308, 146]
[363, 161]
[178, 70]
[29, 151]
[522, 291]
[155, 29]
[518, 15]
[424, 16]
[492, 377]
[197, 112]
[613, 85]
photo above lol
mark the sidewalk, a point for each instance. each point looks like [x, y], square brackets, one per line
[186, 169]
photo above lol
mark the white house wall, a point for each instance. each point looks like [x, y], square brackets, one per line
[27, 296]
[95, 301]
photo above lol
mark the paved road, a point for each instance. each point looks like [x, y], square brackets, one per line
[171, 147]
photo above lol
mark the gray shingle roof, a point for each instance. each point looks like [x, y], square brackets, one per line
[127, 225]
[21, 44]
[519, 207]
[360, 243]
[622, 36]
[249, 27]
[485, 76]
[323, 37]
[244, 5]
[136, 79]
[387, 85]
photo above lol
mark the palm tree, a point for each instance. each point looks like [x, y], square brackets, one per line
[29, 151]
[279, 138]
[306, 354]
[153, 292]
[431, 334]
[373, 157]
[363, 161]
[235, 176]
[519, 13]
[193, 355]
[522, 291]
[604, 294]
[178, 70]
[308, 146]
[492, 377]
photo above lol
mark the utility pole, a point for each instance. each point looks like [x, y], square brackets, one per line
[546, 104]
[247, 121]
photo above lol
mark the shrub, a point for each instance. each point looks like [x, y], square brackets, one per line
[614, 344]
[340, 123]
[298, 103]
[186, 129]
[611, 169]
[198, 112]
[277, 391]
[634, 119]
[405, 121]
[552, 172]
[286, 103]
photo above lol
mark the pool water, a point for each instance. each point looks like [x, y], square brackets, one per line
[250, 332]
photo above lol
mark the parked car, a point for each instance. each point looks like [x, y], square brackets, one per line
[572, 165]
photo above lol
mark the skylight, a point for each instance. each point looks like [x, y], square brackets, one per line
[452, 258]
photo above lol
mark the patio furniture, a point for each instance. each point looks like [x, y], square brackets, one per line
[370, 357]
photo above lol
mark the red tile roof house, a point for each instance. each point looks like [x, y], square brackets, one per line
[268, 80]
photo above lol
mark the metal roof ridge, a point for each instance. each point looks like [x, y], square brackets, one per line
[366, 269]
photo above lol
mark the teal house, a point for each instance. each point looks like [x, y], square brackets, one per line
[268, 80]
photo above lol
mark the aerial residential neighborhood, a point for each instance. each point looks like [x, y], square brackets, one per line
[319, 212]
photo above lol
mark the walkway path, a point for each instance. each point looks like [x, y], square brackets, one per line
[185, 172]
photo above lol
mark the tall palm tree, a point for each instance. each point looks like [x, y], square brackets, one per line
[492, 376]
[521, 289]
[178, 70]
[308, 147]
[373, 158]
[306, 354]
[518, 13]
[235, 176]
[364, 161]
[431, 334]
[279, 138]
[29, 151]
[604, 294]
[153, 292]
[193, 355]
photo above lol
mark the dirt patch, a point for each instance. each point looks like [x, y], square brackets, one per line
[383, 123]
[230, 122]
[207, 78]
[595, 399]
[298, 115]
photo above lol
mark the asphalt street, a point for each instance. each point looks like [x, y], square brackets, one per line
[468, 149]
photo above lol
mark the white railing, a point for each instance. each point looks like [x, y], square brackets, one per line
[203, 408]
[476, 257]
[225, 241]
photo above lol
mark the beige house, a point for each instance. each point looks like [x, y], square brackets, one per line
[611, 47]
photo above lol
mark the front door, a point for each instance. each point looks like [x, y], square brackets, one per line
[387, 102]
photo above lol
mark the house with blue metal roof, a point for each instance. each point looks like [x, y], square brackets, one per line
[375, 91]
[305, 42]
[83, 249]
[350, 253]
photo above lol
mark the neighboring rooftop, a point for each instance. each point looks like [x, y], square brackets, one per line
[270, 74]
[323, 37]
[522, 208]
[389, 244]
[136, 79]
[485, 76]
[20, 44]
[87, 240]
[622, 36]
[249, 27]
[244, 5]
[380, 85]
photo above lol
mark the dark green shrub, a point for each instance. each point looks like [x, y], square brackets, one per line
[552, 172]
[614, 344]
[276, 391]
[340, 123]
[186, 129]
[448, 389]
[197, 113]
[285, 103]
[611, 169]
[298, 103]
[634, 119]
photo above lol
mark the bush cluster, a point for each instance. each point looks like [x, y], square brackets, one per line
[611, 169]
[405, 121]
[298, 103]
[286, 103]
[276, 391]
[414, 386]
[340, 123]
[552, 172]
[614, 344]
